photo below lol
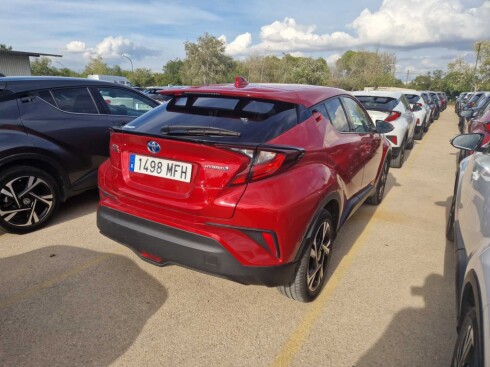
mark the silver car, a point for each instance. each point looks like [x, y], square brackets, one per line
[469, 227]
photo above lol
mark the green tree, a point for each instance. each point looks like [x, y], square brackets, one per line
[42, 66]
[310, 71]
[142, 77]
[359, 69]
[4, 47]
[482, 77]
[96, 66]
[206, 62]
[172, 71]
[421, 82]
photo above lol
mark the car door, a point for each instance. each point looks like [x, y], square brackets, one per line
[474, 202]
[371, 151]
[344, 146]
[67, 123]
[122, 105]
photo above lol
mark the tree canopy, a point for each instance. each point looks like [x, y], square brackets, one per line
[206, 63]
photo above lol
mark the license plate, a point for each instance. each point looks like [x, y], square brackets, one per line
[164, 168]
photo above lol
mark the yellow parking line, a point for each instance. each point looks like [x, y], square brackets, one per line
[299, 335]
[292, 346]
[49, 283]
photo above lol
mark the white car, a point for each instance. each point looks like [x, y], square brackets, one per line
[469, 227]
[392, 107]
[421, 111]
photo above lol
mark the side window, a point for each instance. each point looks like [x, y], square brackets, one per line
[124, 102]
[337, 115]
[77, 100]
[45, 95]
[358, 117]
[320, 108]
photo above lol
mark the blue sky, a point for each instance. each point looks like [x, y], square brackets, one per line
[424, 34]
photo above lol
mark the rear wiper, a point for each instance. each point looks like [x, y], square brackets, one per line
[198, 131]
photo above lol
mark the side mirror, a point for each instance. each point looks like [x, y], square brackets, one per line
[466, 113]
[470, 142]
[383, 127]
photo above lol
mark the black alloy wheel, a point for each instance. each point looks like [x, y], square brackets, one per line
[467, 352]
[310, 277]
[380, 187]
[28, 199]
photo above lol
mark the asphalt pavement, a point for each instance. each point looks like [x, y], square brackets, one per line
[71, 297]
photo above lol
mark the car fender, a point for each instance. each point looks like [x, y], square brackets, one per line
[333, 195]
[21, 155]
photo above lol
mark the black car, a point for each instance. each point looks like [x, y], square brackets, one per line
[54, 134]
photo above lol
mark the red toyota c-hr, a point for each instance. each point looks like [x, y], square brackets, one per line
[250, 182]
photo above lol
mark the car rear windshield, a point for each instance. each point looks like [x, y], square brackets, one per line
[412, 98]
[256, 120]
[378, 103]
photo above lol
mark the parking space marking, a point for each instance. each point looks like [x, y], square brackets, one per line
[56, 280]
[292, 346]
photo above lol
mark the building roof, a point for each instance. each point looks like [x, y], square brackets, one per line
[25, 53]
[18, 84]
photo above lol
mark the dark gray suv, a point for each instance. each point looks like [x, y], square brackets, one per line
[54, 134]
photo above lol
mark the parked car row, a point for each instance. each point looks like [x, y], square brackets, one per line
[468, 226]
[410, 113]
[469, 107]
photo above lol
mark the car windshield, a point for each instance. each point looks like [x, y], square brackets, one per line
[412, 98]
[378, 102]
[256, 121]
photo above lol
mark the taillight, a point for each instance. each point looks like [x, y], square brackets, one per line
[393, 116]
[265, 163]
[418, 104]
[486, 125]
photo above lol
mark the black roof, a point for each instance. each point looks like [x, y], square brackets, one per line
[19, 84]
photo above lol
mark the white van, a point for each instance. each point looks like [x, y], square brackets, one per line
[111, 78]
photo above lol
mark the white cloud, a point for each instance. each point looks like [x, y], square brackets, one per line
[401, 23]
[240, 45]
[397, 23]
[112, 48]
[76, 47]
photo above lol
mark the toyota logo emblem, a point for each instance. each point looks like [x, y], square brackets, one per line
[153, 146]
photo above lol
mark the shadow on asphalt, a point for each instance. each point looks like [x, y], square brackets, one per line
[76, 207]
[354, 227]
[422, 332]
[67, 306]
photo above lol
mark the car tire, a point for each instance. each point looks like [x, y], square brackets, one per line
[450, 221]
[377, 198]
[311, 274]
[397, 162]
[29, 198]
[420, 134]
[467, 351]
[411, 143]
